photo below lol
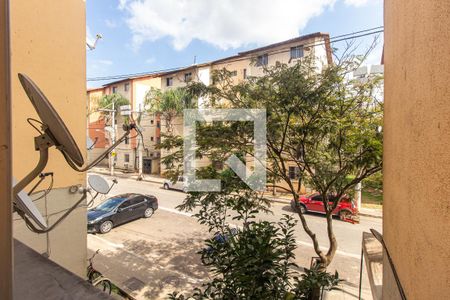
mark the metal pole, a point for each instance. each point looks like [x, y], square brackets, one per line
[113, 138]
[361, 268]
[140, 162]
[358, 195]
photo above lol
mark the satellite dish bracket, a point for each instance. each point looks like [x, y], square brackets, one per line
[41, 144]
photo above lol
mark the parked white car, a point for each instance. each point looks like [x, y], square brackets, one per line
[177, 185]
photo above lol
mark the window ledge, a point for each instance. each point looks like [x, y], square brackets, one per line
[37, 277]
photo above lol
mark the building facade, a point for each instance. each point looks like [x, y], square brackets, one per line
[126, 155]
[416, 188]
[52, 53]
[241, 66]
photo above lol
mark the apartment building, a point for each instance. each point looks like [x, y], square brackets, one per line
[242, 66]
[252, 63]
[127, 154]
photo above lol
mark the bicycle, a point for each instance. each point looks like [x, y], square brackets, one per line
[96, 278]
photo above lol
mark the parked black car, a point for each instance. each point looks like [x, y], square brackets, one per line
[120, 209]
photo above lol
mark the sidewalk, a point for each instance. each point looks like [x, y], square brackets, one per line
[367, 212]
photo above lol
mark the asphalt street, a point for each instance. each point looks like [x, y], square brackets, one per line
[166, 244]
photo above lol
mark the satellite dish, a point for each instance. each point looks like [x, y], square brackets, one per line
[56, 129]
[55, 133]
[99, 184]
[26, 204]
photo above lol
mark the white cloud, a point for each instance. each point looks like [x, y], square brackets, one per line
[122, 4]
[225, 24]
[356, 2]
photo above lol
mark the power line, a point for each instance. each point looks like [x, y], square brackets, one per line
[334, 39]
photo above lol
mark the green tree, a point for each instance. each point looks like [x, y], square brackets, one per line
[255, 260]
[169, 104]
[106, 102]
[320, 121]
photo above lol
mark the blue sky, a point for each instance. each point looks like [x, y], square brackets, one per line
[149, 35]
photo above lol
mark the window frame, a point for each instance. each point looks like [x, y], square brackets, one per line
[295, 171]
[169, 81]
[262, 60]
[126, 157]
[297, 52]
[187, 77]
[123, 206]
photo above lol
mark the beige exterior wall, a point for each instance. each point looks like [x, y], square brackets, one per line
[278, 54]
[138, 88]
[48, 44]
[93, 97]
[120, 89]
[149, 122]
[416, 172]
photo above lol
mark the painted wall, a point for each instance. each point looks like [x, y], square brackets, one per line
[48, 44]
[416, 206]
[6, 244]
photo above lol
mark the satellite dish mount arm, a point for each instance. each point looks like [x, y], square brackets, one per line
[41, 144]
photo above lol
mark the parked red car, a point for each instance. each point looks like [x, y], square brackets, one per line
[346, 209]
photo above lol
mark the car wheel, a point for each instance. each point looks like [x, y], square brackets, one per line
[166, 186]
[302, 209]
[344, 214]
[148, 212]
[106, 227]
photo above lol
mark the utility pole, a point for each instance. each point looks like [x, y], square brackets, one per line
[140, 162]
[113, 140]
[113, 135]
[358, 188]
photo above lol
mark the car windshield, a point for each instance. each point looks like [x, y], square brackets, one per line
[110, 204]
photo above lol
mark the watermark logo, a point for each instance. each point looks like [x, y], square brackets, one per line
[256, 178]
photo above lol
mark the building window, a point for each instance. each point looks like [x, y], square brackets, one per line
[262, 60]
[296, 52]
[187, 77]
[233, 73]
[127, 87]
[126, 158]
[151, 122]
[158, 140]
[114, 89]
[127, 140]
[151, 139]
[158, 124]
[169, 81]
[245, 73]
[294, 173]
